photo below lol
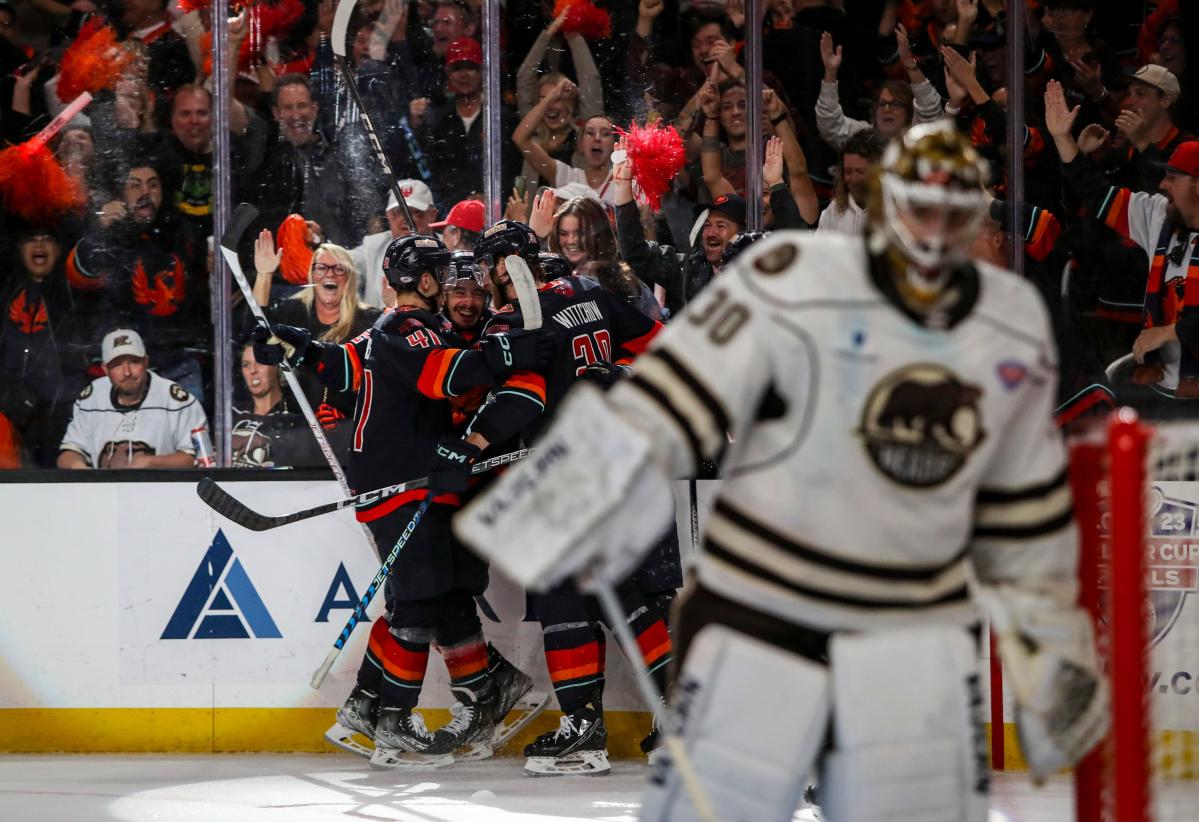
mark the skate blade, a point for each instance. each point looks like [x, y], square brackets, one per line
[474, 752]
[343, 738]
[391, 759]
[526, 709]
[583, 763]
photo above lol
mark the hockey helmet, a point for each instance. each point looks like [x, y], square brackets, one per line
[554, 266]
[739, 243]
[505, 238]
[928, 201]
[410, 256]
[462, 268]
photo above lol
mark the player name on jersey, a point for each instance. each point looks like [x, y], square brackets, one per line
[579, 314]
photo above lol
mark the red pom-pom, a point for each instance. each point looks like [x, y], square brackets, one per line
[34, 186]
[585, 18]
[657, 154]
[297, 256]
[276, 19]
[193, 5]
[94, 61]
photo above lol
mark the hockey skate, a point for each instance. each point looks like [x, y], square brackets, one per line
[579, 747]
[517, 705]
[402, 742]
[356, 716]
[472, 719]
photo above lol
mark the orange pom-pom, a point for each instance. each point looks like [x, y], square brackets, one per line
[34, 186]
[657, 154]
[297, 256]
[585, 18]
[94, 61]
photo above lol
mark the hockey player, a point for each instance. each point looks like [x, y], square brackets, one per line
[405, 371]
[597, 334]
[881, 410]
[464, 296]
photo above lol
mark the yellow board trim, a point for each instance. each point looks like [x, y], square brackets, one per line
[230, 730]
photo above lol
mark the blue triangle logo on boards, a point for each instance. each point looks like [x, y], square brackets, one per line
[220, 601]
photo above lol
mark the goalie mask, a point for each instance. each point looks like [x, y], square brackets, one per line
[927, 203]
[408, 257]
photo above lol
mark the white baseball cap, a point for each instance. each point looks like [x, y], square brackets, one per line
[416, 195]
[120, 343]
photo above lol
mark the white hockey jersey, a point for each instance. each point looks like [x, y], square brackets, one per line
[870, 454]
[161, 424]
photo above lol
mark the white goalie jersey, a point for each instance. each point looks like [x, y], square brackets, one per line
[867, 453]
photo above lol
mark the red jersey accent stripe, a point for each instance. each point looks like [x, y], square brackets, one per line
[355, 366]
[637, 347]
[431, 381]
[1044, 236]
[389, 505]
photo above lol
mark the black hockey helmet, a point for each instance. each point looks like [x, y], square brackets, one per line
[739, 243]
[410, 256]
[554, 266]
[462, 267]
[505, 238]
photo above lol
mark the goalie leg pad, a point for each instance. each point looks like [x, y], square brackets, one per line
[751, 749]
[563, 509]
[908, 742]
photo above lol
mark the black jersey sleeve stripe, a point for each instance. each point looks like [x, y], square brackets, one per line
[702, 394]
[659, 398]
[723, 554]
[995, 496]
[1022, 532]
[927, 573]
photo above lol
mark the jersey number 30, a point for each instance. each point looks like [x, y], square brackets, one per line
[591, 348]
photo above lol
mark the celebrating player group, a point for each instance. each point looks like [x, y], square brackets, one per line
[879, 410]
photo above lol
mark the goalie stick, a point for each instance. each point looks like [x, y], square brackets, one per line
[337, 34]
[232, 509]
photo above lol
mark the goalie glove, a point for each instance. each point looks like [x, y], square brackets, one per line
[1048, 651]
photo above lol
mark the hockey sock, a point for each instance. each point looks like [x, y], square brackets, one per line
[574, 658]
[654, 642]
[466, 662]
[399, 656]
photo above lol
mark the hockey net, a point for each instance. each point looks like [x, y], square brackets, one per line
[1136, 492]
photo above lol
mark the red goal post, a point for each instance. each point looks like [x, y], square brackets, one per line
[1137, 500]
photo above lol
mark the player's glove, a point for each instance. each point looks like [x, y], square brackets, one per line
[272, 345]
[328, 416]
[518, 350]
[603, 374]
[452, 461]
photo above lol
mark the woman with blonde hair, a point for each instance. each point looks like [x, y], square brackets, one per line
[328, 306]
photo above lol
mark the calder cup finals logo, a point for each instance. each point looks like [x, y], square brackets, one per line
[920, 423]
[1171, 562]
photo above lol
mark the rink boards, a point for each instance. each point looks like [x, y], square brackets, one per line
[132, 618]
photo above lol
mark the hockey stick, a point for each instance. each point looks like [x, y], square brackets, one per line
[380, 577]
[232, 509]
[668, 721]
[526, 290]
[338, 33]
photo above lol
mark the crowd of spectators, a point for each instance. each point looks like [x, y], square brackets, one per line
[1109, 92]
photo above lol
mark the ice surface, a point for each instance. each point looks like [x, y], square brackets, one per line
[322, 788]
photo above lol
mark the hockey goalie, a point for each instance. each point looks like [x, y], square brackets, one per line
[881, 412]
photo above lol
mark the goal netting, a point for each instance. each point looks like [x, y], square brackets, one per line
[1137, 495]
